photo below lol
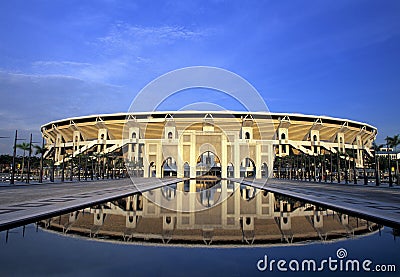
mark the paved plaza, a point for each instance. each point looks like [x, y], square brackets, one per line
[379, 204]
[23, 204]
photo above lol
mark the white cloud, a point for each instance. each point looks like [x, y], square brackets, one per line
[106, 71]
[60, 63]
[125, 54]
[28, 101]
[132, 37]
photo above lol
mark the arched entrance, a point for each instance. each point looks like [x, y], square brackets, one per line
[230, 170]
[169, 192]
[169, 168]
[208, 197]
[264, 170]
[248, 168]
[208, 165]
[152, 169]
[186, 170]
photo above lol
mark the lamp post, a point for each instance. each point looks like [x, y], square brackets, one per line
[79, 165]
[92, 170]
[41, 162]
[4, 137]
[71, 173]
[315, 169]
[29, 159]
[331, 167]
[354, 167]
[346, 168]
[14, 155]
[377, 170]
[52, 176]
[390, 169]
[338, 166]
[86, 165]
[363, 161]
[63, 165]
[13, 160]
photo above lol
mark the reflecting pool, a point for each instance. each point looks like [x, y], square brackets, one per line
[234, 231]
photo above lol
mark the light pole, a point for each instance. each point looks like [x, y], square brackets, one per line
[71, 173]
[363, 159]
[86, 165]
[390, 169]
[338, 166]
[4, 137]
[29, 159]
[13, 160]
[346, 168]
[354, 166]
[331, 167]
[63, 165]
[315, 169]
[41, 162]
[377, 170]
[79, 165]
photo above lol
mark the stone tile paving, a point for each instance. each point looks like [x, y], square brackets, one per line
[379, 204]
[21, 205]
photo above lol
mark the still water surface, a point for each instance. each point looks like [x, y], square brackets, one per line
[234, 227]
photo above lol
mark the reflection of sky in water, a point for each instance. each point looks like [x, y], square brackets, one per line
[44, 254]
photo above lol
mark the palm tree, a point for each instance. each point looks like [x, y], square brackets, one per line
[25, 147]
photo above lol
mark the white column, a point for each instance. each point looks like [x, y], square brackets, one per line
[236, 157]
[159, 160]
[258, 161]
[224, 157]
[193, 158]
[224, 207]
[146, 163]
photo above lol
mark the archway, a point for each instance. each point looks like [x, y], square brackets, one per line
[248, 168]
[208, 197]
[152, 169]
[186, 170]
[169, 192]
[208, 165]
[169, 168]
[264, 171]
[230, 171]
[247, 192]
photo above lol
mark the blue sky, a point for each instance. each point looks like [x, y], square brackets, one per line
[68, 58]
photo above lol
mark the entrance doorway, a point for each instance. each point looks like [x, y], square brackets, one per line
[208, 165]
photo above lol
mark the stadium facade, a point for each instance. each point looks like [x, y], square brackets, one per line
[192, 143]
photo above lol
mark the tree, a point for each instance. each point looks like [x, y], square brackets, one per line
[25, 147]
[5, 161]
[40, 150]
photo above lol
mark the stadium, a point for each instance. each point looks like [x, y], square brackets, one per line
[215, 144]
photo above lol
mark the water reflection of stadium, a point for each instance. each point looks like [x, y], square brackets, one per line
[247, 216]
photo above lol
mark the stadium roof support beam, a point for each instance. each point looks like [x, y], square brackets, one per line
[284, 122]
